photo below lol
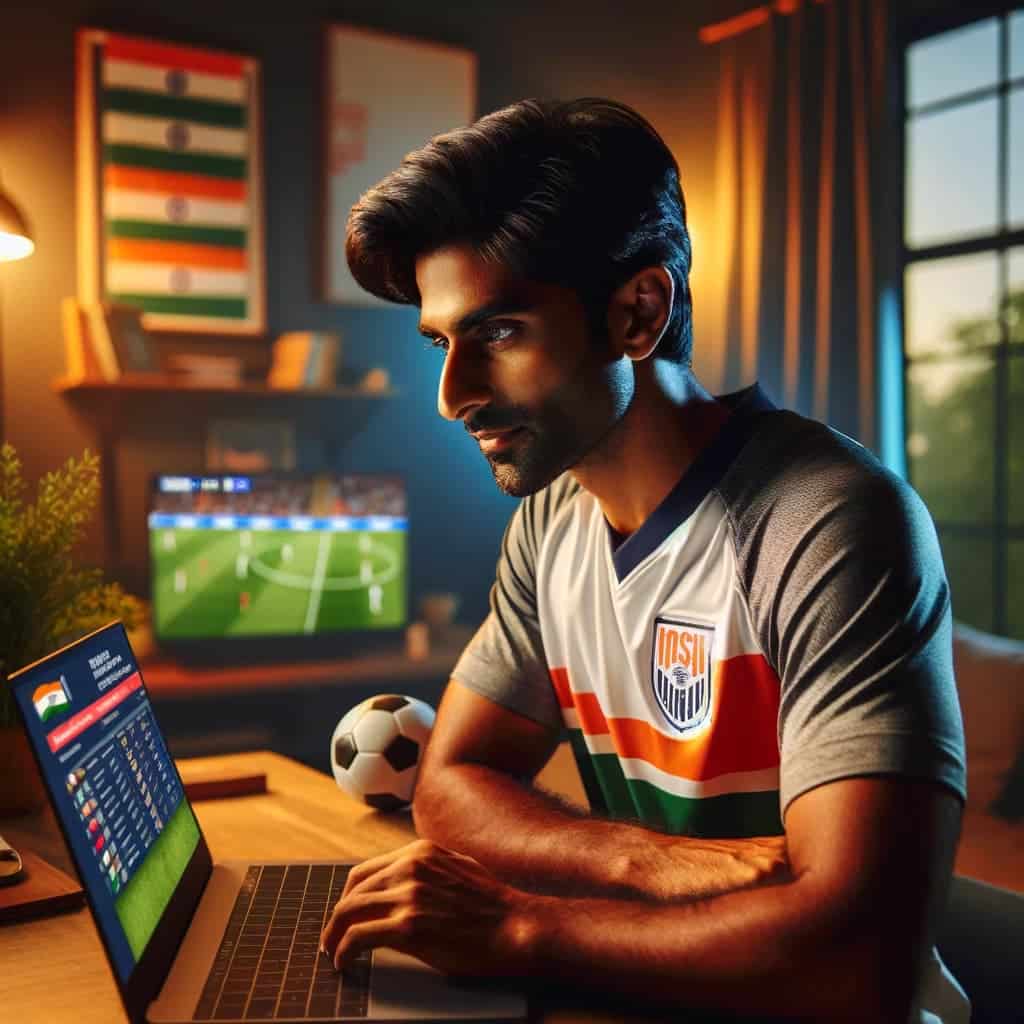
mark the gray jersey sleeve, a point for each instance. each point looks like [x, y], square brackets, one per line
[505, 659]
[844, 580]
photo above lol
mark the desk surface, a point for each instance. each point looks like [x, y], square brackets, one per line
[55, 970]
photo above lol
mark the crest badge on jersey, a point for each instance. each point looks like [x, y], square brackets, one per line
[681, 673]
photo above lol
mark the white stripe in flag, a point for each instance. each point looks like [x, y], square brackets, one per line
[168, 279]
[165, 208]
[124, 74]
[176, 136]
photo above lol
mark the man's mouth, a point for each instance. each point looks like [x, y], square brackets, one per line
[493, 441]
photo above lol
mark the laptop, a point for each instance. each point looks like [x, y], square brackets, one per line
[189, 939]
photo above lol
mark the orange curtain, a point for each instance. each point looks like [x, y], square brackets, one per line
[793, 277]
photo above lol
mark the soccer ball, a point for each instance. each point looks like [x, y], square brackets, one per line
[376, 749]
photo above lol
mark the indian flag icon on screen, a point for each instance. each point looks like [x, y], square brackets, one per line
[51, 699]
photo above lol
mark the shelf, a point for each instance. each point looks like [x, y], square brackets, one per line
[158, 383]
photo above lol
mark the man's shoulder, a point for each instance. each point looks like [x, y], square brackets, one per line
[795, 474]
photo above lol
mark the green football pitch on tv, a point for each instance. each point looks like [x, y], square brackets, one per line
[149, 890]
[212, 583]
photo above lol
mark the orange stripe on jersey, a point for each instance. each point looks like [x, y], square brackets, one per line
[162, 55]
[741, 737]
[560, 681]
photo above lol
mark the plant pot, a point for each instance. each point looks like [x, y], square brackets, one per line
[21, 788]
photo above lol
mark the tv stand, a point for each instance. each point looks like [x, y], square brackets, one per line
[290, 707]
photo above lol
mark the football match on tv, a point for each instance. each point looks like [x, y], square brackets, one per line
[277, 555]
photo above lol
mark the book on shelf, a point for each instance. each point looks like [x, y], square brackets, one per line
[305, 359]
[79, 355]
[201, 370]
[120, 342]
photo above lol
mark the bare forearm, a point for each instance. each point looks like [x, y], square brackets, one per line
[769, 952]
[529, 839]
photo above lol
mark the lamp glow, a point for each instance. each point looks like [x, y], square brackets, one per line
[15, 238]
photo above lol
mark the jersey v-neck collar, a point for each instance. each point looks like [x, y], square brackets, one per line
[694, 485]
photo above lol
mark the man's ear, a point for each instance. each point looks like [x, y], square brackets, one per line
[639, 312]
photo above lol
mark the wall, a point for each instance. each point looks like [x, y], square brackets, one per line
[649, 58]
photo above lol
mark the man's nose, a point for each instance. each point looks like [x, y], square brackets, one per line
[464, 384]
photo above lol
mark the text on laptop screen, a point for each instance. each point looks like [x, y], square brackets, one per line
[120, 799]
[278, 555]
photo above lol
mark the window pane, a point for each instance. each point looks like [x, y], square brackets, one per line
[1015, 200]
[1017, 441]
[952, 181]
[1015, 591]
[953, 62]
[1017, 45]
[968, 563]
[952, 304]
[950, 437]
[1015, 297]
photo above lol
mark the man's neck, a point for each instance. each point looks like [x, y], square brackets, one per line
[671, 419]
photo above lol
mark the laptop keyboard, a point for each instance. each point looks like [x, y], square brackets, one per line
[269, 966]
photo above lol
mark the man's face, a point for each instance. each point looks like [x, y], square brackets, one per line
[521, 368]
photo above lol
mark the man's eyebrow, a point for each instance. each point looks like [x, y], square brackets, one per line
[499, 307]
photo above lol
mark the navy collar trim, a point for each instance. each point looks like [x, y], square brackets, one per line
[695, 484]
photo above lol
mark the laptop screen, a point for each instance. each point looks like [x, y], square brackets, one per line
[113, 783]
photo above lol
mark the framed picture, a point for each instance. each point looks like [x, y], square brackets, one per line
[385, 95]
[169, 183]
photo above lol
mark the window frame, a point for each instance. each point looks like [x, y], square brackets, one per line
[999, 531]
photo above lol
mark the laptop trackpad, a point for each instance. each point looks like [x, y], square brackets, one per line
[404, 987]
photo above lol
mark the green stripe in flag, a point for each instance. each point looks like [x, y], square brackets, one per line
[732, 815]
[129, 101]
[162, 160]
[181, 305]
[231, 237]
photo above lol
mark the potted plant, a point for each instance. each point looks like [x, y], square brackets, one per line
[46, 599]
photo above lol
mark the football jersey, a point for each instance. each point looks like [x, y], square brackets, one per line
[781, 620]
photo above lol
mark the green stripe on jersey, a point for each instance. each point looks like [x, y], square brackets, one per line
[180, 305]
[162, 160]
[232, 237]
[732, 815]
[130, 101]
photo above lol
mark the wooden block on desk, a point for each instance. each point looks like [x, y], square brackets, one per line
[43, 890]
[208, 782]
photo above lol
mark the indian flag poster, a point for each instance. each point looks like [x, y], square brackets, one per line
[170, 183]
[51, 699]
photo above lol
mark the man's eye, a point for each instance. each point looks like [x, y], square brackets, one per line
[440, 343]
[495, 334]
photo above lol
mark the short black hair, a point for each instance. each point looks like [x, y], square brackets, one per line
[582, 193]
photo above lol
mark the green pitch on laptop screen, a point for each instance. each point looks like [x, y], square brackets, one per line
[277, 554]
[114, 785]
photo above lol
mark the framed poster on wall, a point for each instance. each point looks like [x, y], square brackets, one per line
[169, 183]
[385, 95]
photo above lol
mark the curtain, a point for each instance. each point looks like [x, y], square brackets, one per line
[794, 262]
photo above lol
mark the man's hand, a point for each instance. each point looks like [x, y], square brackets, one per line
[431, 903]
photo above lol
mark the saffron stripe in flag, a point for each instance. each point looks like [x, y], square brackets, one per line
[141, 179]
[168, 55]
[174, 81]
[234, 309]
[230, 237]
[160, 160]
[178, 253]
[130, 101]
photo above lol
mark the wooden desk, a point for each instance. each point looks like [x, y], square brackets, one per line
[55, 970]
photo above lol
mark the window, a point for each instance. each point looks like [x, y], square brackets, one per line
[963, 287]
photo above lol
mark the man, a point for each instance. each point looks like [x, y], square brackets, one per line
[738, 614]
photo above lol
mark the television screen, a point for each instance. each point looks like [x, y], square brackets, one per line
[277, 554]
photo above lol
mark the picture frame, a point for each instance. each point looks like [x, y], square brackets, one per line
[169, 176]
[384, 95]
